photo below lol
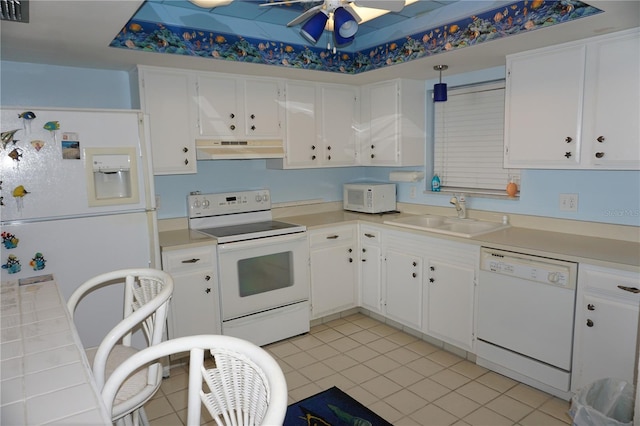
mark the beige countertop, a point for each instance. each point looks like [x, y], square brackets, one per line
[561, 245]
[183, 238]
[564, 246]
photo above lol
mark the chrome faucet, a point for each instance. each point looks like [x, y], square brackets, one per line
[461, 207]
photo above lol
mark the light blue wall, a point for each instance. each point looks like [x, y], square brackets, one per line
[25, 84]
[604, 196]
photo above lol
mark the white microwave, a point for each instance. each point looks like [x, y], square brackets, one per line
[369, 197]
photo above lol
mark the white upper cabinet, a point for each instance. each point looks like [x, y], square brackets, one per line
[393, 123]
[231, 108]
[301, 135]
[338, 120]
[168, 97]
[575, 105]
[611, 129]
[320, 125]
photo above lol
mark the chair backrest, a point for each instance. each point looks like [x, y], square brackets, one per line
[246, 386]
[146, 299]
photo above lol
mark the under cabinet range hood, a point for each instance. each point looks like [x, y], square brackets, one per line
[209, 149]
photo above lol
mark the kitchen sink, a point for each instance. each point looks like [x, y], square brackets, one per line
[448, 225]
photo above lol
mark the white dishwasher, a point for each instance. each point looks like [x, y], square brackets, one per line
[524, 318]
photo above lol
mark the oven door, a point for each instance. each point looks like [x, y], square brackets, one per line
[262, 274]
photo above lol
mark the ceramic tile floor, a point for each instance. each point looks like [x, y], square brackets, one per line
[405, 380]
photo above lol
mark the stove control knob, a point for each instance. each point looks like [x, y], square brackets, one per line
[205, 203]
[258, 198]
[196, 203]
[553, 277]
[265, 197]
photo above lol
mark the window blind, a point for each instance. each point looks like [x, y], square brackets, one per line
[468, 135]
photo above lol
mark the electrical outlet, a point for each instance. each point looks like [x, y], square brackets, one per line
[568, 202]
[412, 192]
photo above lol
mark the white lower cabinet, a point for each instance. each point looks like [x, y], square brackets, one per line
[449, 293]
[334, 270]
[403, 258]
[370, 240]
[195, 305]
[606, 325]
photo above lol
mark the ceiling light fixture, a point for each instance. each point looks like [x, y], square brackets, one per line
[344, 22]
[313, 28]
[440, 89]
[210, 4]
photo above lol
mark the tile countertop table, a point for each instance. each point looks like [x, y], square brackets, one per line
[45, 376]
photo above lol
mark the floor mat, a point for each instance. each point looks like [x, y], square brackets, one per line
[332, 407]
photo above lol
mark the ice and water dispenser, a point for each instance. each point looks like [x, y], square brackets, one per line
[112, 176]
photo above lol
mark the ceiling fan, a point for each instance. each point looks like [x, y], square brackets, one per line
[339, 16]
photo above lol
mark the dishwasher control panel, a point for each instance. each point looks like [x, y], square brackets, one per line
[532, 268]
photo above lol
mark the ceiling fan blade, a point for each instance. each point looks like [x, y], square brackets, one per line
[353, 13]
[276, 3]
[304, 16]
[390, 5]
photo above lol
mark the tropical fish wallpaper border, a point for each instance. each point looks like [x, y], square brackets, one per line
[515, 18]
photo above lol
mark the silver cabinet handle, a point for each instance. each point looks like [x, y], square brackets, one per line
[629, 289]
[332, 237]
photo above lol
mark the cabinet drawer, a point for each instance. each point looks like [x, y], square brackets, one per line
[370, 236]
[331, 236]
[612, 283]
[196, 258]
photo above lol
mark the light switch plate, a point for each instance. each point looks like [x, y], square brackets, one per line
[568, 202]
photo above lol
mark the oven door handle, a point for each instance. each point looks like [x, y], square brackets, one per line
[279, 239]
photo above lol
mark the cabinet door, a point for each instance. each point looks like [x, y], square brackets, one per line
[219, 113]
[608, 340]
[403, 287]
[195, 302]
[606, 325]
[543, 108]
[262, 109]
[301, 136]
[333, 271]
[384, 125]
[449, 303]
[370, 270]
[338, 125]
[168, 98]
[612, 103]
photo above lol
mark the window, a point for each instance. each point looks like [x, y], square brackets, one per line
[468, 138]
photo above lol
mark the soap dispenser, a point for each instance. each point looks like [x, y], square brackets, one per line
[435, 183]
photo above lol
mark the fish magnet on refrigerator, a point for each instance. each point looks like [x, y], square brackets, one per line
[52, 126]
[8, 137]
[18, 193]
[27, 116]
[38, 262]
[13, 264]
[16, 154]
[9, 241]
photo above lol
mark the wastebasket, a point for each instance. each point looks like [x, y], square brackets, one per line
[605, 402]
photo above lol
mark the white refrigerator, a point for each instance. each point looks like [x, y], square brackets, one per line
[77, 201]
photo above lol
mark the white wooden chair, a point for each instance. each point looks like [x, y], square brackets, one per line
[146, 300]
[246, 387]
